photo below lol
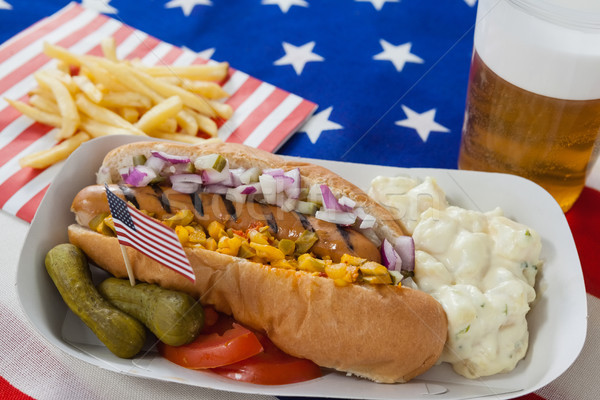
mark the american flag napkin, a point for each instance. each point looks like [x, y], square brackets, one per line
[265, 116]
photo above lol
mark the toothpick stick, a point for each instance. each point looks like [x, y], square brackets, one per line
[128, 266]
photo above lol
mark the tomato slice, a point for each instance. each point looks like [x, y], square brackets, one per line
[223, 343]
[271, 367]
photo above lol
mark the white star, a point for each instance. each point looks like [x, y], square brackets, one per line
[206, 54]
[4, 5]
[318, 123]
[187, 5]
[298, 56]
[423, 123]
[286, 4]
[471, 3]
[378, 4]
[398, 55]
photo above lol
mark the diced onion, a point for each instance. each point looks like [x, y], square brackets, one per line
[405, 247]
[185, 187]
[347, 203]
[236, 195]
[138, 176]
[274, 172]
[211, 176]
[314, 194]
[294, 189]
[155, 163]
[268, 186]
[250, 189]
[336, 217]
[171, 158]
[216, 188]
[329, 200]
[389, 257]
[191, 178]
[367, 222]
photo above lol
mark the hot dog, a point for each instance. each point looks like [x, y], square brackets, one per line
[368, 327]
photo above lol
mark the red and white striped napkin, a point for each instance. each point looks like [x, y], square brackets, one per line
[265, 116]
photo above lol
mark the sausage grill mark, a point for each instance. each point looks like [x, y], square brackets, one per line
[304, 221]
[346, 236]
[129, 195]
[197, 202]
[230, 207]
[270, 219]
[162, 197]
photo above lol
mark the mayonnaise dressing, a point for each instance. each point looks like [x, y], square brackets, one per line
[480, 266]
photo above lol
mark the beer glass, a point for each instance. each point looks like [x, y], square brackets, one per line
[533, 99]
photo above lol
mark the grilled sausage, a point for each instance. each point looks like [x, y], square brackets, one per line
[334, 240]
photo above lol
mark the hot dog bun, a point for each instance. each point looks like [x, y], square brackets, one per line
[381, 332]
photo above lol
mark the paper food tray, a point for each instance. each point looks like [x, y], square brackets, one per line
[557, 322]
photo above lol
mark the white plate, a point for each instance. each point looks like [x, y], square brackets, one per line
[557, 321]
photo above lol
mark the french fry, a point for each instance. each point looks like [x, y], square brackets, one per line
[66, 105]
[97, 129]
[167, 90]
[62, 54]
[187, 122]
[87, 86]
[206, 125]
[160, 113]
[44, 104]
[45, 158]
[126, 99]
[89, 96]
[206, 72]
[221, 109]
[36, 114]
[109, 48]
[129, 114]
[104, 115]
[179, 137]
[210, 90]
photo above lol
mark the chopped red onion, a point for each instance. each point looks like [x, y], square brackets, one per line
[171, 158]
[211, 176]
[329, 200]
[216, 188]
[314, 194]
[138, 176]
[367, 222]
[191, 178]
[283, 182]
[389, 257]
[185, 187]
[235, 176]
[236, 195]
[295, 187]
[289, 204]
[268, 186]
[347, 203]
[336, 217]
[274, 172]
[405, 247]
[155, 163]
[250, 189]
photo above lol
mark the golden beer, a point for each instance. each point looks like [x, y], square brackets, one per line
[551, 141]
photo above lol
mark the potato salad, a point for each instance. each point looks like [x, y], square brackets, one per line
[481, 266]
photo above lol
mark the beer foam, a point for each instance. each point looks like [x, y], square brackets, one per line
[542, 54]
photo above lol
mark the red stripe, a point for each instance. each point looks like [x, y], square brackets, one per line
[171, 56]
[199, 61]
[16, 182]
[286, 127]
[244, 91]
[8, 114]
[27, 212]
[145, 47]
[37, 31]
[39, 60]
[24, 139]
[9, 392]
[258, 115]
[584, 220]
[120, 35]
